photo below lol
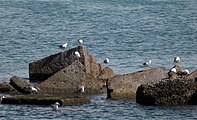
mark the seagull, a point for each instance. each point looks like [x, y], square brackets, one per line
[33, 89]
[82, 90]
[106, 61]
[172, 71]
[63, 46]
[147, 64]
[80, 41]
[186, 72]
[77, 54]
[55, 106]
[177, 59]
[1, 98]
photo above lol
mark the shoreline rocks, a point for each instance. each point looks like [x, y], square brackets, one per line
[44, 68]
[125, 86]
[180, 91]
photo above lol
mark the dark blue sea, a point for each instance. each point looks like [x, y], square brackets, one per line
[129, 32]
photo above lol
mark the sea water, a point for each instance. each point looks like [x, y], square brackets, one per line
[128, 32]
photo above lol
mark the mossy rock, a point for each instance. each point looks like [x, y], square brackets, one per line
[46, 100]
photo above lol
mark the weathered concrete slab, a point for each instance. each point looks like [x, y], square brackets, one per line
[193, 75]
[7, 88]
[105, 74]
[125, 86]
[46, 100]
[168, 92]
[44, 68]
[20, 84]
[69, 80]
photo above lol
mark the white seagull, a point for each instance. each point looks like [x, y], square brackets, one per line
[33, 89]
[106, 61]
[177, 59]
[77, 54]
[80, 41]
[172, 71]
[63, 46]
[82, 89]
[186, 72]
[1, 98]
[147, 64]
[55, 106]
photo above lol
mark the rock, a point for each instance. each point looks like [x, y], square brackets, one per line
[69, 80]
[20, 84]
[125, 86]
[193, 75]
[7, 88]
[46, 100]
[43, 69]
[168, 92]
[105, 74]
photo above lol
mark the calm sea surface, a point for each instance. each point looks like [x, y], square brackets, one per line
[129, 32]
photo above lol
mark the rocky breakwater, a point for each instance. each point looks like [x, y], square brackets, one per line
[61, 74]
[179, 89]
[125, 86]
[66, 72]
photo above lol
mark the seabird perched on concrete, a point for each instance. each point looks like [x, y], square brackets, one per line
[31, 89]
[147, 64]
[55, 106]
[77, 54]
[177, 59]
[1, 98]
[63, 46]
[82, 89]
[186, 72]
[80, 41]
[172, 71]
[106, 61]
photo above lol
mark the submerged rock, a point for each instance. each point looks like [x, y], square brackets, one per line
[125, 86]
[46, 100]
[168, 92]
[43, 69]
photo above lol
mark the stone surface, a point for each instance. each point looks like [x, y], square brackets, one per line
[105, 74]
[20, 84]
[43, 69]
[46, 100]
[69, 80]
[125, 86]
[7, 88]
[193, 75]
[168, 92]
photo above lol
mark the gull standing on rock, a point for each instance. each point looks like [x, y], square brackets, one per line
[77, 54]
[186, 72]
[147, 64]
[55, 106]
[106, 61]
[177, 60]
[1, 98]
[33, 89]
[80, 41]
[172, 71]
[63, 46]
[82, 90]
